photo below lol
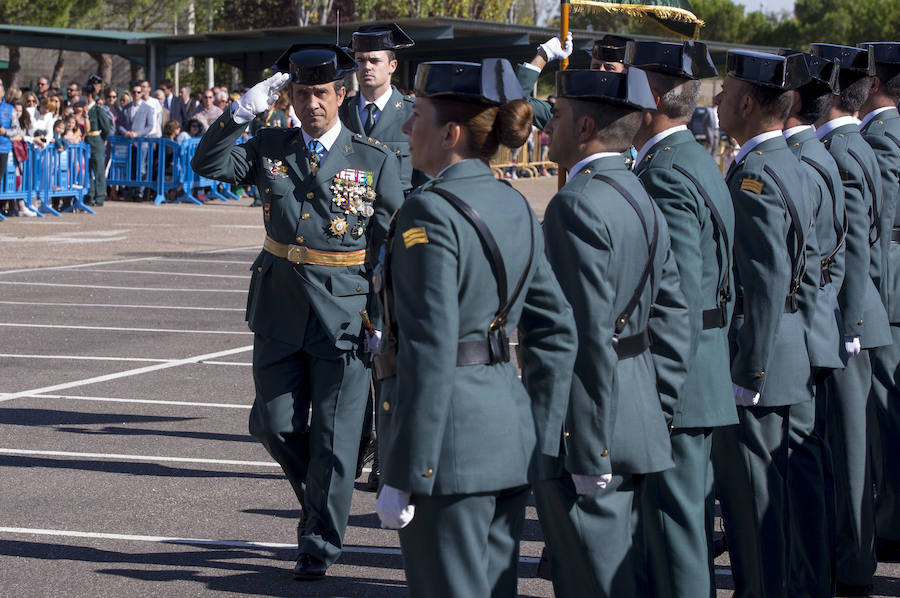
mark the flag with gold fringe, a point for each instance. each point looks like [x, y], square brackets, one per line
[674, 15]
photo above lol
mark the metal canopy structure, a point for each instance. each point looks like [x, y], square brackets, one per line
[253, 51]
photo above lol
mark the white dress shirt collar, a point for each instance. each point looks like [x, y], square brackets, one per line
[656, 139]
[865, 120]
[833, 124]
[585, 161]
[753, 142]
[328, 139]
[380, 102]
[788, 133]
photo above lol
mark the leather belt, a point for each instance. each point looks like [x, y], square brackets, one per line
[715, 318]
[467, 353]
[790, 305]
[91, 133]
[895, 235]
[632, 346]
[297, 254]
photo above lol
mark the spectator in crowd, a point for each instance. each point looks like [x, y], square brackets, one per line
[72, 131]
[20, 151]
[95, 83]
[45, 118]
[183, 106]
[156, 106]
[43, 86]
[160, 96]
[9, 129]
[79, 114]
[274, 116]
[111, 104]
[59, 135]
[73, 93]
[221, 100]
[30, 101]
[193, 129]
[168, 97]
[208, 112]
[136, 118]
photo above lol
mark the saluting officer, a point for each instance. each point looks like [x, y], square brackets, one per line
[880, 128]
[609, 247]
[811, 481]
[379, 109]
[459, 434]
[99, 127]
[327, 197]
[864, 318]
[686, 184]
[776, 280]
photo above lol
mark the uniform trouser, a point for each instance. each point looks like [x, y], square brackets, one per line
[464, 545]
[847, 436]
[751, 461]
[97, 165]
[317, 451]
[810, 508]
[677, 509]
[589, 537]
[885, 433]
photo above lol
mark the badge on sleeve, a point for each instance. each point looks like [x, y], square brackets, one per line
[414, 236]
[752, 185]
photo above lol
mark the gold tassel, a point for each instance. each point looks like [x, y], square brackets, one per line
[639, 10]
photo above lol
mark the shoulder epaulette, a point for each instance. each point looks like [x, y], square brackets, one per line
[372, 142]
[663, 157]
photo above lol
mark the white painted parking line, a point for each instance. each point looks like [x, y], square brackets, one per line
[120, 305]
[20, 283]
[195, 274]
[200, 261]
[125, 374]
[73, 266]
[132, 359]
[202, 541]
[141, 401]
[120, 329]
[148, 458]
[240, 363]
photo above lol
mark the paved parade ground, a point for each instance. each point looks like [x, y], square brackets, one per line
[126, 384]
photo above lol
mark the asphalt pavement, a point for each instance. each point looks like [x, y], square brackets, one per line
[125, 387]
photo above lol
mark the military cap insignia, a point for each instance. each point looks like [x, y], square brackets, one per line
[354, 191]
[338, 227]
[752, 185]
[414, 236]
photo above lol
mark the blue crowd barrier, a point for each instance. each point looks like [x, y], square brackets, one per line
[18, 182]
[192, 180]
[61, 173]
[141, 162]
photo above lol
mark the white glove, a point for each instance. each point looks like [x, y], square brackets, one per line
[554, 49]
[744, 396]
[393, 508]
[373, 342]
[585, 484]
[852, 346]
[258, 98]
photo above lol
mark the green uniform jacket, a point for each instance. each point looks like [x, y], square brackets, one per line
[598, 249]
[387, 130]
[768, 346]
[299, 208]
[448, 429]
[704, 261]
[883, 134]
[825, 337]
[543, 111]
[862, 307]
[276, 119]
[100, 121]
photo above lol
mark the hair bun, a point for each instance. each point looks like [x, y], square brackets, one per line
[512, 126]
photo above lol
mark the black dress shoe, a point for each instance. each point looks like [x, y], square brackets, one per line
[543, 568]
[720, 546]
[887, 550]
[309, 568]
[374, 477]
[366, 454]
[846, 589]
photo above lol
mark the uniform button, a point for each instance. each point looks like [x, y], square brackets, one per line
[304, 216]
[267, 189]
[762, 373]
[358, 289]
[428, 473]
[860, 323]
[604, 453]
[566, 434]
[259, 268]
[299, 239]
[386, 406]
[310, 195]
[758, 153]
[667, 148]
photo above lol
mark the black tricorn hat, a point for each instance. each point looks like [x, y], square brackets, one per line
[883, 52]
[492, 82]
[858, 61]
[370, 38]
[767, 70]
[315, 64]
[689, 60]
[610, 48]
[94, 79]
[624, 89]
[823, 72]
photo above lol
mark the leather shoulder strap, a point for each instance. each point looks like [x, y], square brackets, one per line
[623, 318]
[798, 260]
[840, 226]
[874, 228]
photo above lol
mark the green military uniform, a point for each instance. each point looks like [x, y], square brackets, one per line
[307, 288]
[882, 133]
[387, 130]
[101, 126]
[273, 118]
[812, 510]
[686, 184]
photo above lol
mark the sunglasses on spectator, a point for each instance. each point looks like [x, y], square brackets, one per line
[42, 84]
[209, 97]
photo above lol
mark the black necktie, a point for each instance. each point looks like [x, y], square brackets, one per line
[370, 120]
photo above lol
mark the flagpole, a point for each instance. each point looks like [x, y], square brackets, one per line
[563, 65]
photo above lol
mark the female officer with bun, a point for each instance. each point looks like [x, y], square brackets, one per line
[464, 266]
